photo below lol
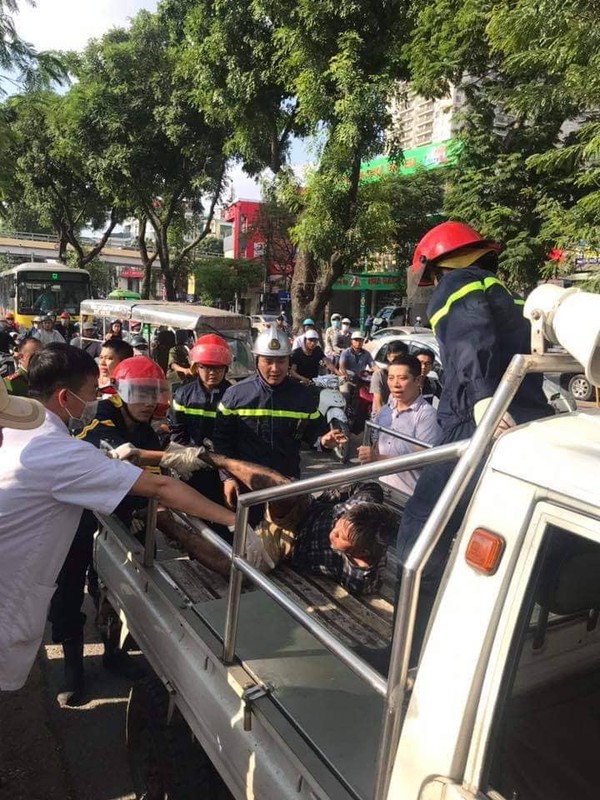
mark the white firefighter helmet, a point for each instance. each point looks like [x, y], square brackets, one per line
[272, 342]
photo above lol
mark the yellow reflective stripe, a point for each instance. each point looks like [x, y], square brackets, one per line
[267, 412]
[468, 288]
[196, 412]
[475, 286]
[93, 424]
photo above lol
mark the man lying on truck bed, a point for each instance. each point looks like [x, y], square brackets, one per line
[343, 534]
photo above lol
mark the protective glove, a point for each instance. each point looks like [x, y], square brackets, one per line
[184, 460]
[481, 407]
[255, 550]
[124, 452]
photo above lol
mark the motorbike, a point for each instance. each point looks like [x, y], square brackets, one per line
[332, 406]
[359, 400]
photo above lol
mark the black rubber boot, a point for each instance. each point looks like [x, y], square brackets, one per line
[117, 660]
[73, 692]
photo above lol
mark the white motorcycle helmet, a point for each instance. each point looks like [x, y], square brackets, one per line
[272, 342]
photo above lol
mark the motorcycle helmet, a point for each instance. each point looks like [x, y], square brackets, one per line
[308, 322]
[346, 321]
[140, 380]
[453, 245]
[271, 343]
[336, 316]
[357, 335]
[211, 350]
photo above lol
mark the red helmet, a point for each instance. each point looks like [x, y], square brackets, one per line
[443, 242]
[140, 380]
[65, 315]
[211, 350]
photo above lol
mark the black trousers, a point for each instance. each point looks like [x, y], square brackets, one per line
[66, 615]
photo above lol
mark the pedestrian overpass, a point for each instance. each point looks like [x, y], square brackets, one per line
[39, 247]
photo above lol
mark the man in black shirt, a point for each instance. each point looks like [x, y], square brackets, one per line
[306, 361]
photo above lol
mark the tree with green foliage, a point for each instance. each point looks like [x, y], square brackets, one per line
[268, 71]
[526, 70]
[49, 179]
[221, 279]
[20, 64]
[149, 147]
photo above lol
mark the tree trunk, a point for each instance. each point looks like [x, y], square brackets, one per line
[170, 285]
[311, 286]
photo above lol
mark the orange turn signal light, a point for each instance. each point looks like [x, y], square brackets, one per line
[484, 551]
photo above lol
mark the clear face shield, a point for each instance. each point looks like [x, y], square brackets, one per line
[415, 277]
[144, 391]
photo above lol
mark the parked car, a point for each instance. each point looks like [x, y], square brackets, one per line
[400, 330]
[559, 397]
[388, 316]
[260, 323]
[578, 385]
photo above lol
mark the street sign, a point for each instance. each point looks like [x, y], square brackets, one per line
[283, 297]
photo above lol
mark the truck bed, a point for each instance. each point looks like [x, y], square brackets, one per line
[364, 621]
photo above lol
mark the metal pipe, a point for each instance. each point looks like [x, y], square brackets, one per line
[419, 554]
[235, 584]
[445, 452]
[150, 537]
[397, 435]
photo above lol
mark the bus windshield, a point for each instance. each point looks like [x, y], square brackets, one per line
[43, 292]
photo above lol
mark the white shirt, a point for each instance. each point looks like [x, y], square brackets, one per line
[46, 337]
[47, 478]
[419, 421]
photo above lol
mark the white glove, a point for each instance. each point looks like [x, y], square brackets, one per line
[481, 407]
[184, 460]
[255, 550]
[125, 452]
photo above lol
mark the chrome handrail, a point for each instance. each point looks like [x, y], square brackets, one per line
[391, 432]
[240, 567]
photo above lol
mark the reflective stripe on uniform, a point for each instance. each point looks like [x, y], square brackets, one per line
[474, 286]
[94, 424]
[196, 412]
[268, 412]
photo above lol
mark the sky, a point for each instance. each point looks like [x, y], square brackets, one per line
[69, 24]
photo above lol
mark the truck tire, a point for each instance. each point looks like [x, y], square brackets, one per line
[165, 761]
[342, 452]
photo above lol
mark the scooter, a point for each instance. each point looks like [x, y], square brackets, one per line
[359, 398]
[332, 406]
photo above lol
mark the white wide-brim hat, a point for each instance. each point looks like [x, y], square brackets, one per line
[19, 412]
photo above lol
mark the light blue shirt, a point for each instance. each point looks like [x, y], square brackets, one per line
[419, 421]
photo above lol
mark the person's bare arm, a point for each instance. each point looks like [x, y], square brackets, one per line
[180, 497]
[297, 377]
[198, 548]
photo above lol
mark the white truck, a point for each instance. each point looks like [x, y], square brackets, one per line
[261, 694]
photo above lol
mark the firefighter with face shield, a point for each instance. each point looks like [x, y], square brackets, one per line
[265, 418]
[194, 409]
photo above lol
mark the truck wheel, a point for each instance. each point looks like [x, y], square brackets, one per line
[166, 763]
[580, 387]
[342, 452]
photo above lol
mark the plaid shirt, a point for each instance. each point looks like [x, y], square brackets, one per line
[312, 551]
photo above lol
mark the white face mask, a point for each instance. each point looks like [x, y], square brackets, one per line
[345, 326]
[88, 413]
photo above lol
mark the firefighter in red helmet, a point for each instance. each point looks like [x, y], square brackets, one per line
[479, 325]
[194, 408]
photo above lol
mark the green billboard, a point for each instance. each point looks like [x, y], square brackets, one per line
[429, 156]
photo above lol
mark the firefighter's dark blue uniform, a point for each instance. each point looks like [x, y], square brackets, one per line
[109, 425]
[479, 325]
[267, 424]
[192, 420]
